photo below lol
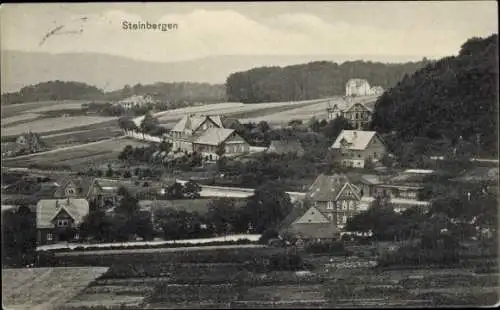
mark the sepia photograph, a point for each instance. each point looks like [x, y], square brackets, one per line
[253, 154]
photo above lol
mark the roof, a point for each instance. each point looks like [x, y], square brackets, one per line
[297, 211]
[192, 122]
[285, 146]
[314, 230]
[82, 184]
[214, 136]
[356, 82]
[408, 179]
[353, 139]
[137, 99]
[328, 187]
[47, 209]
[370, 179]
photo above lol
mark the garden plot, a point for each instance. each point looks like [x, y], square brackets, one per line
[45, 287]
[18, 118]
[53, 124]
[77, 156]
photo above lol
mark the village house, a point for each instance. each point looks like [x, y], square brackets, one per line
[333, 200]
[357, 87]
[284, 147]
[357, 113]
[207, 135]
[57, 220]
[402, 189]
[135, 101]
[353, 148]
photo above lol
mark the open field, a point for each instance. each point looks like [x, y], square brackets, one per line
[9, 110]
[44, 288]
[75, 157]
[64, 106]
[199, 205]
[19, 118]
[80, 136]
[238, 109]
[51, 124]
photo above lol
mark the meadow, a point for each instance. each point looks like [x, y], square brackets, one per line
[75, 157]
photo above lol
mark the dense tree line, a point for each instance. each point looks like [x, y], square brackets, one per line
[173, 93]
[453, 99]
[169, 95]
[311, 81]
[53, 90]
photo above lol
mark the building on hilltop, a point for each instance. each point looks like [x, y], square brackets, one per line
[135, 101]
[353, 148]
[376, 91]
[357, 87]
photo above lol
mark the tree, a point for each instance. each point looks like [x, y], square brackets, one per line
[191, 190]
[263, 126]
[313, 124]
[267, 207]
[96, 225]
[18, 236]
[223, 215]
[175, 191]
[334, 127]
[149, 123]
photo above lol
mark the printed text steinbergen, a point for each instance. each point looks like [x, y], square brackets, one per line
[127, 25]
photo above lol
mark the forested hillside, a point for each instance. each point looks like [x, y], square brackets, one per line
[164, 92]
[53, 90]
[455, 96]
[313, 80]
[192, 92]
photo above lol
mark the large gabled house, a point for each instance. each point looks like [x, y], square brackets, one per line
[332, 200]
[357, 87]
[207, 135]
[353, 148]
[58, 219]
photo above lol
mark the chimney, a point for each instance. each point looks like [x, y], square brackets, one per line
[57, 204]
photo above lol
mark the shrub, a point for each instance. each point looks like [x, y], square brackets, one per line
[267, 235]
[333, 248]
[285, 261]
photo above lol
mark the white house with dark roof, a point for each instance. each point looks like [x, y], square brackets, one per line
[353, 147]
[58, 219]
[357, 87]
[135, 101]
[206, 135]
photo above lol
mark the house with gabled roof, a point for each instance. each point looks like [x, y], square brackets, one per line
[75, 187]
[58, 219]
[206, 135]
[283, 147]
[358, 113]
[332, 199]
[353, 148]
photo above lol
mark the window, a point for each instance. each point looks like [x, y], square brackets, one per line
[49, 236]
[62, 223]
[77, 236]
[344, 219]
[329, 205]
[70, 191]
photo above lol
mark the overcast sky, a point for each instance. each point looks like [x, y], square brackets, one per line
[431, 29]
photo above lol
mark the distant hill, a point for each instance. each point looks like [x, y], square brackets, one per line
[53, 90]
[455, 96]
[164, 92]
[114, 72]
[312, 80]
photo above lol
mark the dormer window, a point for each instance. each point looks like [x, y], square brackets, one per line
[70, 191]
[63, 223]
